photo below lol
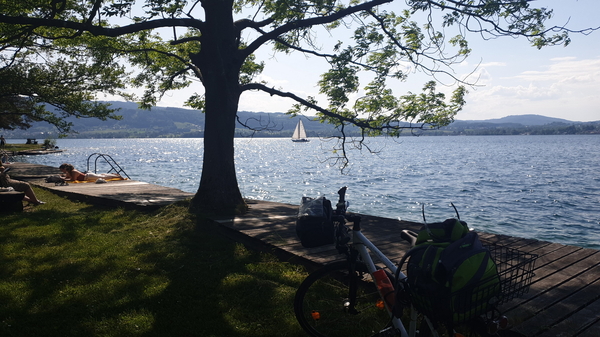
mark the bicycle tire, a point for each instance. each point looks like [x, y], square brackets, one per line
[326, 292]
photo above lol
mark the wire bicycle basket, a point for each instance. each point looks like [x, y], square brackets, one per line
[515, 269]
[513, 278]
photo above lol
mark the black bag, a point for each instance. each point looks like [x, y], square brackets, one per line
[55, 179]
[451, 276]
[314, 225]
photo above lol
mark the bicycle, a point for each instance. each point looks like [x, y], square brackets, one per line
[356, 297]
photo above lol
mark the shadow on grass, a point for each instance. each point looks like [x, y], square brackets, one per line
[222, 289]
[89, 271]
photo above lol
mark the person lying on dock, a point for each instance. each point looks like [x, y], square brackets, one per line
[19, 186]
[71, 174]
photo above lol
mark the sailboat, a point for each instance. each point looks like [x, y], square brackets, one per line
[299, 133]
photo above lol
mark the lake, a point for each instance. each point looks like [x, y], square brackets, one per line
[542, 187]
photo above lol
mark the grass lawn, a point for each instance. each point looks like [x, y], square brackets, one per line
[75, 269]
[22, 147]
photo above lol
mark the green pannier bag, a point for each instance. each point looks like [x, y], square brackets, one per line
[452, 277]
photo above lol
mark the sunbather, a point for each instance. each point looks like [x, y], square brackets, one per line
[19, 186]
[71, 174]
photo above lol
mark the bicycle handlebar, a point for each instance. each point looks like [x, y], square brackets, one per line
[340, 207]
[342, 194]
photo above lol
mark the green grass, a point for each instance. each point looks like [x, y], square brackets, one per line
[75, 269]
[22, 147]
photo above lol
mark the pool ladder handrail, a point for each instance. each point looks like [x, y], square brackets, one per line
[115, 167]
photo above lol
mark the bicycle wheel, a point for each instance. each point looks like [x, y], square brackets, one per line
[323, 303]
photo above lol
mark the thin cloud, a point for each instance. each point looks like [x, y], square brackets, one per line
[565, 84]
[493, 64]
[563, 69]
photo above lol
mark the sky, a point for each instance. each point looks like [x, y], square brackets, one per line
[513, 78]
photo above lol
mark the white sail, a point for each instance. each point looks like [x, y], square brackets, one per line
[299, 133]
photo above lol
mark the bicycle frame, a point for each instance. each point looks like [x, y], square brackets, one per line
[363, 246]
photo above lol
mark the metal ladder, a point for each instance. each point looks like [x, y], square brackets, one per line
[115, 167]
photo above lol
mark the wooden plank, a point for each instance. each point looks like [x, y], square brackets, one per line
[279, 231]
[25, 171]
[553, 257]
[562, 298]
[582, 323]
[547, 278]
[509, 241]
[593, 330]
[122, 193]
[559, 260]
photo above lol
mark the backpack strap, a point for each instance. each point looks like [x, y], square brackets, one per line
[448, 231]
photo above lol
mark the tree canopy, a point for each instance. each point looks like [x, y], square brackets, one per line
[171, 44]
[44, 81]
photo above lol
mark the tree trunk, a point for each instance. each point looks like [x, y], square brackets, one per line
[218, 61]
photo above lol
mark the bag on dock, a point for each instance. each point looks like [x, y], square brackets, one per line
[55, 179]
[314, 225]
[451, 275]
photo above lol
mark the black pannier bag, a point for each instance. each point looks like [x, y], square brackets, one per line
[314, 225]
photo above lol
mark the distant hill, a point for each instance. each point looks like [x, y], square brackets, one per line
[518, 125]
[174, 122]
[180, 122]
[527, 120]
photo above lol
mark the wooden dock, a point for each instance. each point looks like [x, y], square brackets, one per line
[563, 300]
[36, 152]
[119, 193]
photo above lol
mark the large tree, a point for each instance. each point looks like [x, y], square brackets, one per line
[172, 42]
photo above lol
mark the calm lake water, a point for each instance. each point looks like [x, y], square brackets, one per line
[542, 187]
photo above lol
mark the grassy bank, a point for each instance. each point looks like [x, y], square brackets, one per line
[74, 269]
[21, 147]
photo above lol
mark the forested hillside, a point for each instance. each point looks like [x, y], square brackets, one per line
[178, 122]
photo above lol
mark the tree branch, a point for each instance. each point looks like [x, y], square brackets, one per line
[247, 23]
[94, 11]
[102, 31]
[415, 60]
[470, 10]
[309, 23]
[263, 126]
[361, 123]
[322, 55]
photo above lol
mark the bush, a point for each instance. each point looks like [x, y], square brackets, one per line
[49, 143]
